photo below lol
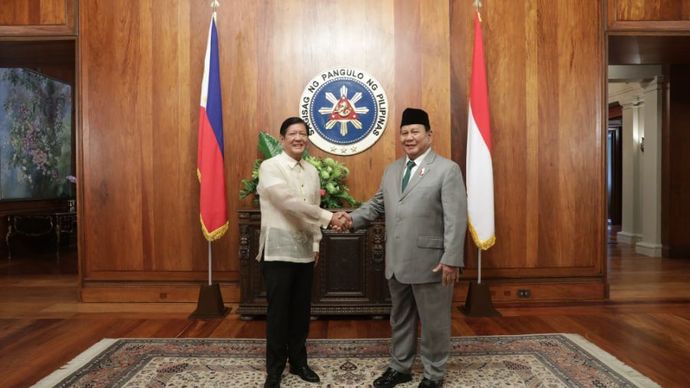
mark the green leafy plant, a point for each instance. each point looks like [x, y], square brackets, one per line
[332, 174]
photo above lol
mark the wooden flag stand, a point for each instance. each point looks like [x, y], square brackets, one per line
[478, 302]
[210, 304]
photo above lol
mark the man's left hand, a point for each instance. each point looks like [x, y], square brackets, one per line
[316, 259]
[450, 274]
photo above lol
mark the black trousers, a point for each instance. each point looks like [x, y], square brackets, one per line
[288, 289]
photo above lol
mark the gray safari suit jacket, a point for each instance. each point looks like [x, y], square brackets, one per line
[425, 224]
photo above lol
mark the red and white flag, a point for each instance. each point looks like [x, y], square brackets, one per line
[210, 159]
[480, 175]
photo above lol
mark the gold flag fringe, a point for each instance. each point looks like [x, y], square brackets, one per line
[483, 245]
[214, 235]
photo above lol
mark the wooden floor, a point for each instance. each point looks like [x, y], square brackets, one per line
[646, 324]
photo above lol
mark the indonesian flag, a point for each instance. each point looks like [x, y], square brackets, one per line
[210, 165]
[480, 175]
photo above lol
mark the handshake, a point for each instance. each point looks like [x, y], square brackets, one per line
[341, 222]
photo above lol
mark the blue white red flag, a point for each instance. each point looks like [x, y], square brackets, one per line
[210, 159]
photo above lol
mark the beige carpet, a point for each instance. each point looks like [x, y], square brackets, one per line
[544, 360]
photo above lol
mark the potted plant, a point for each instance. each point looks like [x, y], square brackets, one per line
[332, 174]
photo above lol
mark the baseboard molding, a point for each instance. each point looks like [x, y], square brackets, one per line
[648, 249]
[628, 238]
[502, 292]
[124, 292]
[535, 292]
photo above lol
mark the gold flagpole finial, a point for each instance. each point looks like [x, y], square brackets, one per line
[477, 5]
[214, 5]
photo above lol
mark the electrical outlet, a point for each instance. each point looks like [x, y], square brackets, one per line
[523, 293]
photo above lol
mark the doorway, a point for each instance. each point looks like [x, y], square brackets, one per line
[38, 157]
[641, 75]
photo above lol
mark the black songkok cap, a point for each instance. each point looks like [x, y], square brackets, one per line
[415, 116]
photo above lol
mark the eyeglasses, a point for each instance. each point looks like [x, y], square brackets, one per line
[293, 135]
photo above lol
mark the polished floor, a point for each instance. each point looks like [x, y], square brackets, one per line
[646, 323]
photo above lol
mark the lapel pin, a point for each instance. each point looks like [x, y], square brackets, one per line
[422, 171]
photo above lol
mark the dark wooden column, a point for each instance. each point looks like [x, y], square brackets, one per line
[676, 165]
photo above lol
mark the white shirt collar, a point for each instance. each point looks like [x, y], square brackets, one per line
[290, 161]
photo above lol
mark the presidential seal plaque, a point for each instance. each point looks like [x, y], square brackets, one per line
[346, 109]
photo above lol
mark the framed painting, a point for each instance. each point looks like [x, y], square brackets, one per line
[35, 136]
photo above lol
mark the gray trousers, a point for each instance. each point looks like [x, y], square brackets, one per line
[429, 303]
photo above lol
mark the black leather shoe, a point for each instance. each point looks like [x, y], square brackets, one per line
[426, 383]
[305, 373]
[272, 381]
[391, 377]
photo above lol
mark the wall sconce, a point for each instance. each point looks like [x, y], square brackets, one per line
[642, 144]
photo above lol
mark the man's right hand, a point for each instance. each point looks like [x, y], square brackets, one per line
[341, 221]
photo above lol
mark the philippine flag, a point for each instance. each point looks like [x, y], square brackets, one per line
[210, 164]
[480, 175]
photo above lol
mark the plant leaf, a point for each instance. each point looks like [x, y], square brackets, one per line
[269, 146]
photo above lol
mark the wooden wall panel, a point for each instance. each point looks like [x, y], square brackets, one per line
[140, 85]
[111, 206]
[37, 17]
[544, 66]
[648, 15]
[140, 77]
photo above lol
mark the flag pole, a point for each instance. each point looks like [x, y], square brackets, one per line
[210, 261]
[479, 265]
[210, 303]
[478, 301]
[477, 5]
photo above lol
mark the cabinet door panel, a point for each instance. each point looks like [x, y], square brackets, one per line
[38, 18]
[342, 275]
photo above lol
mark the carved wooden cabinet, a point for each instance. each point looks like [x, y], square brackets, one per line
[349, 279]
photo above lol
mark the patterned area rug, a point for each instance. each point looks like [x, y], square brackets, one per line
[544, 360]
